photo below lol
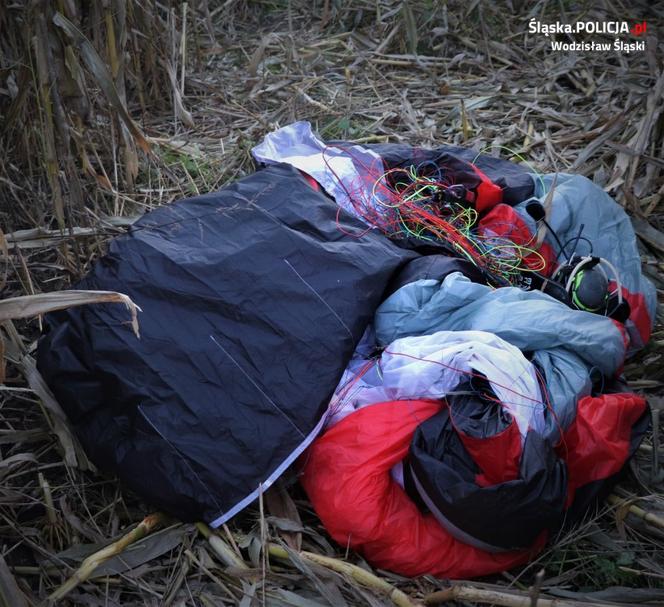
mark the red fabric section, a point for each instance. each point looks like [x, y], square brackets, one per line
[346, 475]
[625, 339]
[505, 222]
[497, 456]
[596, 445]
[638, 311]
[488, 193]
[311, 181]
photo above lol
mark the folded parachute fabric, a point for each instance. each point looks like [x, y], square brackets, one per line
[253, 300]
[439, 333]
[347, 477]
[486, 466]
[567, 345]
[582, 217]
[461, 432]
[298, 146]
[433, 366]
[345, 170]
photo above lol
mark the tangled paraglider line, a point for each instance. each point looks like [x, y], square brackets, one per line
[422, 203]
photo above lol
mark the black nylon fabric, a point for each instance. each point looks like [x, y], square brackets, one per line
[513, 179]
[504, 516]
[435, 267]
[473, 413]
[253, 300]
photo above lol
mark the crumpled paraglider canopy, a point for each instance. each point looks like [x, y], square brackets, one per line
[520, 370]
[253, 301]
[443, 330]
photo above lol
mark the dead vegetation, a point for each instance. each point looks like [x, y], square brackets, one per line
[111, 108]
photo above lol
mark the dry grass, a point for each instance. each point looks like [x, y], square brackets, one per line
[120, 107]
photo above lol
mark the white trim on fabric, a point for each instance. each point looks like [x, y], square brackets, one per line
[264, 486]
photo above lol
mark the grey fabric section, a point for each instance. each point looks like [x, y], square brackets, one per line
[576, 201]
[566, 343]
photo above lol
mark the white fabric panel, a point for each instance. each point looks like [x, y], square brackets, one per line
[338, 170]
[432, 366]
